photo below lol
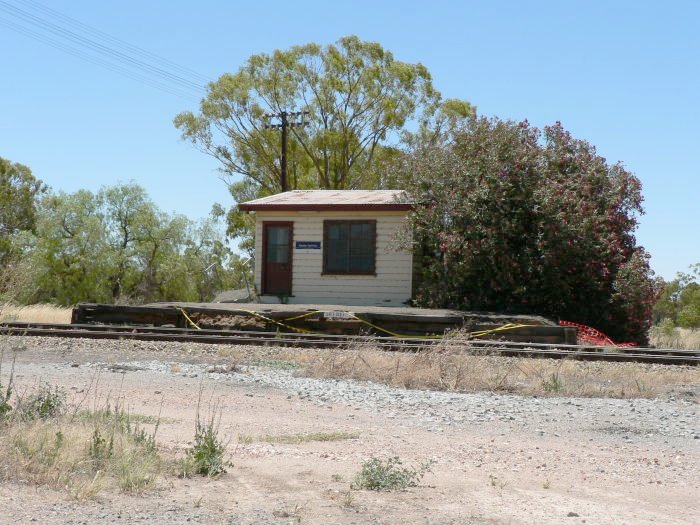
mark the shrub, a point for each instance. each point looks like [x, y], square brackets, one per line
[206, 457]
[388, 474]
[512, 219]
[44, 404]
[5, 393]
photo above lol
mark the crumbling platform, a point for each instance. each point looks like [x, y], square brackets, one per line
[329, 319]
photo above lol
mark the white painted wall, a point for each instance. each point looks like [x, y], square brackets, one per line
[394, 267]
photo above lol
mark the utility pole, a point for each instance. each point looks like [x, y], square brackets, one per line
[285, 123]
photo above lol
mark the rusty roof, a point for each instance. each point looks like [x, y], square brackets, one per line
[331, 200]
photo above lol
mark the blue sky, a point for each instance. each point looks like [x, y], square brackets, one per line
[623, 75]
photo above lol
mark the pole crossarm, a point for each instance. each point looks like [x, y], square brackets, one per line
[284, 124]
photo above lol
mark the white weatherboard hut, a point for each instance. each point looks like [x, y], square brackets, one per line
[332, 247]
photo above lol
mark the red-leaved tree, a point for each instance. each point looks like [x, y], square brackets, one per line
[512, 219]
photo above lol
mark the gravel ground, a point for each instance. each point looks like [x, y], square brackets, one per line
[674, 420]
[498, 458]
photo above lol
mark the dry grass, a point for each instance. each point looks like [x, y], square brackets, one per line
[36, 313]
[665, 336]
[447, 367]
[45, 442]
[81, 457]
[690, 338]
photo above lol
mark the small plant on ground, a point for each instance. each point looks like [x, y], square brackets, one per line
[288, 512]
[48, 402]
[5, 406]
[348, 501]
[206, 457]
[553, 383]
[497, 483]
[6, 393]
[207, 453]
[145, 439]
[100, 449]
[642, 387]
[389, 474]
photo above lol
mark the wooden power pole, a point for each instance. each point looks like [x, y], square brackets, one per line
[284, 117]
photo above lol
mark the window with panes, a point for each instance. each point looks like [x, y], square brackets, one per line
[349, 247]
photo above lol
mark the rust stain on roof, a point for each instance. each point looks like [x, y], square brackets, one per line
[341, 200]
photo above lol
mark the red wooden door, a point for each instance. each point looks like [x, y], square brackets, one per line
[277, 258]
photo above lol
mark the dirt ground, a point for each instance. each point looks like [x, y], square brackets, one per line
[490, 473]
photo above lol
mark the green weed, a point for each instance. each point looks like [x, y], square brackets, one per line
[553, 384]
[44, 404]
[295, 439]
[388, 474]
[6, 393]
[206, 457]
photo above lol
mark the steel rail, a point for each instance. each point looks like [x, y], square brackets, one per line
[407, 342]
[504, 348]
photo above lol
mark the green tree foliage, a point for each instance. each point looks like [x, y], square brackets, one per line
[680, 300]
[68, 252]
[19, 191]
[358, 98]
[117, 246]
[514, 219]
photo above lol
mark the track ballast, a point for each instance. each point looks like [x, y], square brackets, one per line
[242, 337]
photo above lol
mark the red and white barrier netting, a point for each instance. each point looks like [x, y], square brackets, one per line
[588, 335]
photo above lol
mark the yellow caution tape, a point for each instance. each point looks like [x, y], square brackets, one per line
[394, 334]
[481, 333]
[270, 320]
[509, 326]
[182, 311]
[505, 327]
[307, 314]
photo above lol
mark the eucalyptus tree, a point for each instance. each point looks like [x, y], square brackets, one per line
[69, 252]
[679, 302]
[355, 96]
[357, 103]
[19, 191]
[117, 246]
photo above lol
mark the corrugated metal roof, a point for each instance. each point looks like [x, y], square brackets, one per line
[331, 200]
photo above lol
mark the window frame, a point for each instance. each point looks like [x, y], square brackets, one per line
[326, 226]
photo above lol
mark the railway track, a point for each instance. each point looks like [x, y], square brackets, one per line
[239, 337]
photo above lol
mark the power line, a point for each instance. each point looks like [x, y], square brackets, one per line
[94, 60]
[122, 61]
[117, 41]
[95, 46]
